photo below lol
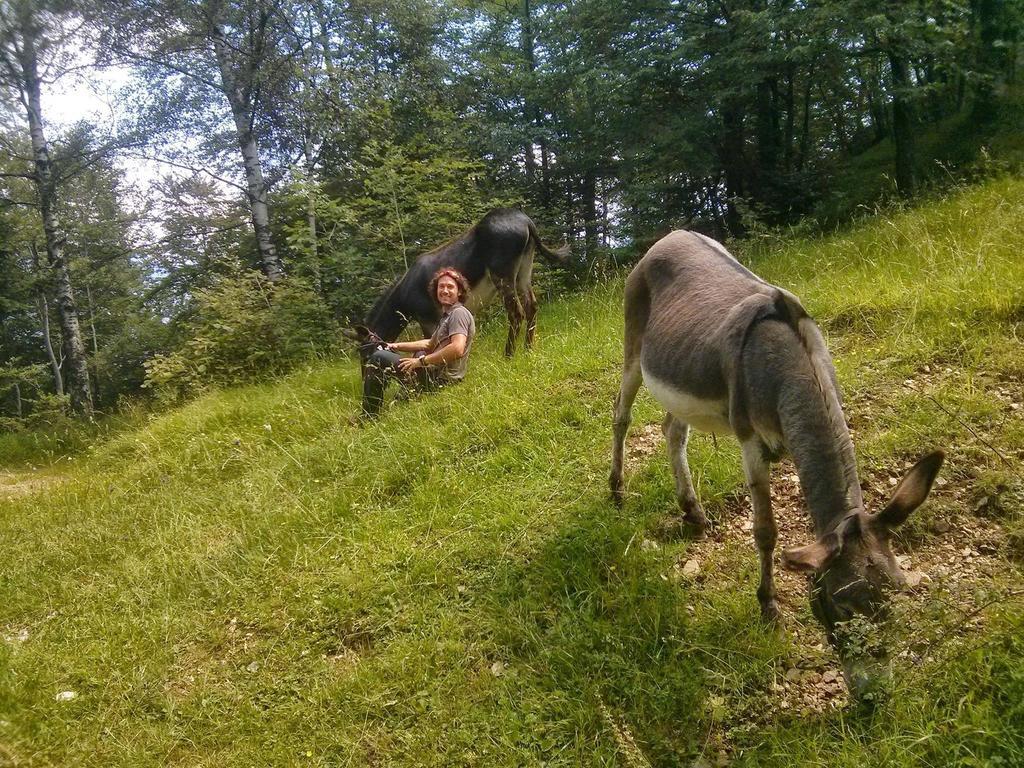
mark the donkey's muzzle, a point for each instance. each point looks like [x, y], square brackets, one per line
[868, 680]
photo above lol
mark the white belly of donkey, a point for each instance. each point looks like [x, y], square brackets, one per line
[705, 415]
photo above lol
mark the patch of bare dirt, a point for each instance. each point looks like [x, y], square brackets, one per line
[644, 441]
[14, 485]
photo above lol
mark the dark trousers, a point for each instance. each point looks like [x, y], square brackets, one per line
[380, 368]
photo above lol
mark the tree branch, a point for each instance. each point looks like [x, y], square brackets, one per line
[184, 167]
[192, 75]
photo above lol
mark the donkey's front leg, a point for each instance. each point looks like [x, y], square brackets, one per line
[756, 468]
[676, 435]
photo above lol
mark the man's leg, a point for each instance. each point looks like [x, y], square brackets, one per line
[379, 367]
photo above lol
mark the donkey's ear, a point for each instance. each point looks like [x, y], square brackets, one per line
[911, 492]
[812, 556]
[817, 555]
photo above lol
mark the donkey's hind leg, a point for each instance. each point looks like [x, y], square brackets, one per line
[756, 469]
[530, 308]
[637, 307]
[632, 377]
[514, 310]
[676, 435]
[526, 295]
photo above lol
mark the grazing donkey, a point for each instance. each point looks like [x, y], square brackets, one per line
[724, 351]
[495, 256]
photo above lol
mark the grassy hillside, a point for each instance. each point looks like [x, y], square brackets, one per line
[251, 581]
[950, 149]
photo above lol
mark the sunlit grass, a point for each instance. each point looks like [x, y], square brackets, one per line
[250, 579]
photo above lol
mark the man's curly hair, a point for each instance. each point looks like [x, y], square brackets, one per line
[455, 275]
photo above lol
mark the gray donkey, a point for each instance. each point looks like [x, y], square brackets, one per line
[724, 351]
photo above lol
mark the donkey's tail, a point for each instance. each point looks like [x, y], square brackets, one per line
[556, 256]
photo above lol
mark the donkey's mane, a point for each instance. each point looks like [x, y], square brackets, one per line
[817, 354]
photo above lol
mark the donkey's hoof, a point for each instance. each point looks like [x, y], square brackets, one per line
[771, 614]
[676, 528]
[697, 525]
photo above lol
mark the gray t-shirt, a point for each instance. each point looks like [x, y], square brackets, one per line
[456, 320]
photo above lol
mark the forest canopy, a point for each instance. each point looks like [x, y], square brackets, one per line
[308, 151]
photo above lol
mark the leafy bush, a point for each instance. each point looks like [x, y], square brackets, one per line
[243, 328]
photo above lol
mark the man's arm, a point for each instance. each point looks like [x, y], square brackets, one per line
[410, 346]
[455, 349]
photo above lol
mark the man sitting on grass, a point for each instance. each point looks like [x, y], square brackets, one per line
[442, 359]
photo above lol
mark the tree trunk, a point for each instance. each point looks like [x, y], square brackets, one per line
[314, 246]
[241, 112]
[876, 109]
[605, 223]
[731, 157]
[44, 326]
[589, 192]
[74, 349]
[323, 35]
[96, 389]
[805, 133]
[790, 116]
[767, 137]
[570, 206]
[531, 115]
[902, 125]
[984, 19]
[545, 177]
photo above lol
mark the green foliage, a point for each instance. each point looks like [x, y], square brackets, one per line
[243, 328]
[403, 202]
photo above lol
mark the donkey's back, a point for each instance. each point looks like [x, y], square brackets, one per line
[689, 306]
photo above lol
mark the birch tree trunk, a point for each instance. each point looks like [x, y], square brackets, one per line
[44, 326]
[74, 349]
[241, 113]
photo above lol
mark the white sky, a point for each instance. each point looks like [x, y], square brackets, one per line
[95, 98]
[75, 98]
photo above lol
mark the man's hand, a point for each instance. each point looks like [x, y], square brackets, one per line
[410, 364]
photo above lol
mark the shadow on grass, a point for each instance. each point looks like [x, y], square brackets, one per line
[594, 612]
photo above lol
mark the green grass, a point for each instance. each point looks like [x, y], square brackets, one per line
[53, 436]
[248, 580]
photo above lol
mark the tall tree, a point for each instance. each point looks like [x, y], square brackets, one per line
[198, 56]
[29, 32]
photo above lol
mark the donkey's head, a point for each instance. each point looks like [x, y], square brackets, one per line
[853, 568]
[366, 340]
